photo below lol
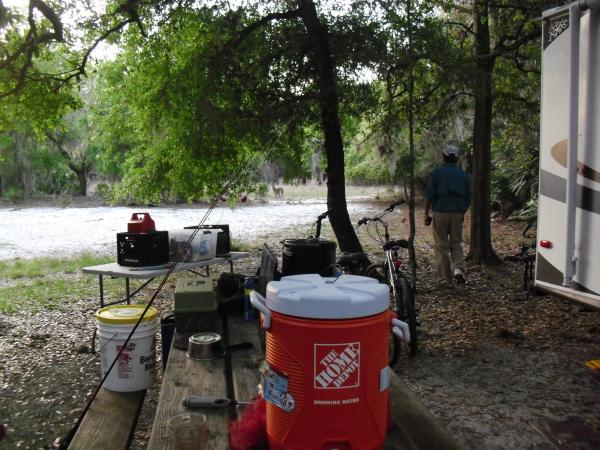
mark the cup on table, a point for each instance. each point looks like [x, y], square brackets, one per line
[188, 431]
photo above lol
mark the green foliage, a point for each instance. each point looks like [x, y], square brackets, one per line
[366, 167]
[113, 128]
[528, 212]
[200, 105]
[103, 190]
[420, 56]
[40, 100]
[365, 164]
[13, 194]
[191, 127]
[515, 141]
[29, 165]
[52, 173]
[176, 113]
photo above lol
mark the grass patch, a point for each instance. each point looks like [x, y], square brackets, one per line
[242, 246]
[58, 293]
[49, 283]
[45, 294]
[40, 267]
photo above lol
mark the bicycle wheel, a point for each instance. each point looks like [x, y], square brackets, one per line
[394, 349]
[376, 271]
[405, 302]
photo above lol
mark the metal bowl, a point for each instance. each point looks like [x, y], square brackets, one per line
[205, 346]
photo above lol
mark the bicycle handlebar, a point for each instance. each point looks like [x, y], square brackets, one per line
[378, 217]
[393, 205]
[320, 218]
[324, 215]
[366, 220]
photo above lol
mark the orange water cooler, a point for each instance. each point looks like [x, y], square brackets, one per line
[327, 350]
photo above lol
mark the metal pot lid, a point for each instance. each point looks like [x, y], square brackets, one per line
[205, 338]
[316, 297]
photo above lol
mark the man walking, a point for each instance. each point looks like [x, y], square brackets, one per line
[449, 193]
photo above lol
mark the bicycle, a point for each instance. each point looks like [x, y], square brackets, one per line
[402, 299]
[389, 272]
[526, 256]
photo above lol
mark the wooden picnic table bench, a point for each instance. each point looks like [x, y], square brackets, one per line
[110, 422]
[237, 375]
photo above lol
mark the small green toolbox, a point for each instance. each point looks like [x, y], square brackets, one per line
[195, 305]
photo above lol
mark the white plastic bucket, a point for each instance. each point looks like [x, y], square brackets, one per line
[134, 371]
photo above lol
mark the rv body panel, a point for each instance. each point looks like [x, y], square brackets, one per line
[554, 149]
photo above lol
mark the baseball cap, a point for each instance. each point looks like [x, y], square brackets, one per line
[451, 150]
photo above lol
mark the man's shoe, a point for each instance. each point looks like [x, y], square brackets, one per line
[459, 276]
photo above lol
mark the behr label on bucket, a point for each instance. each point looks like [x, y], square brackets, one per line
[125, 361]
[337, 366]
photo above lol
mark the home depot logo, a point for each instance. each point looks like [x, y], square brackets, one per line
[337, 365]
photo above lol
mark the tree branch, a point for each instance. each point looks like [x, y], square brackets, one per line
[520, 65]
[500, 48]
[445, 104]
[31, 44]
[60, 146]
[458, 8]
[245, 32]
[52, 17]
[33, 41]
[507, 6]
[531, 105]
[130, 9]
[80, 70]
[423, 99]
[3, 15]
[468, 29]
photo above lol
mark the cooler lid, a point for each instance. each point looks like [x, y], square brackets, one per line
[316, 297]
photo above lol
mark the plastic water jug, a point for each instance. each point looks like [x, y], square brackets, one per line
[140, 223]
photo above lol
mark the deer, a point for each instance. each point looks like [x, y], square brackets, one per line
[277, 191]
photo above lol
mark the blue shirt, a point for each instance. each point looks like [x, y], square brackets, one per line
[449, 189]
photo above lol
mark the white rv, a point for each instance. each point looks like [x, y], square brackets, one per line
[568, 235]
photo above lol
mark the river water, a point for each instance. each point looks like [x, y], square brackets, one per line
[58, 232]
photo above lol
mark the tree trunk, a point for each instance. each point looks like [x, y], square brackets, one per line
[411, 152]
[25, 176]
[82, 177]
[481, 251]
[334, 149]
[81, 169]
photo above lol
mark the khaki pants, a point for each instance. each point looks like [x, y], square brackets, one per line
[447, 236]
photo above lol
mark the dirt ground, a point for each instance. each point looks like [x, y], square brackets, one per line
[491, 360]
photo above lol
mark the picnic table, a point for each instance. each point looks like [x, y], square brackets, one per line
[236, 376]
[145, 273]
